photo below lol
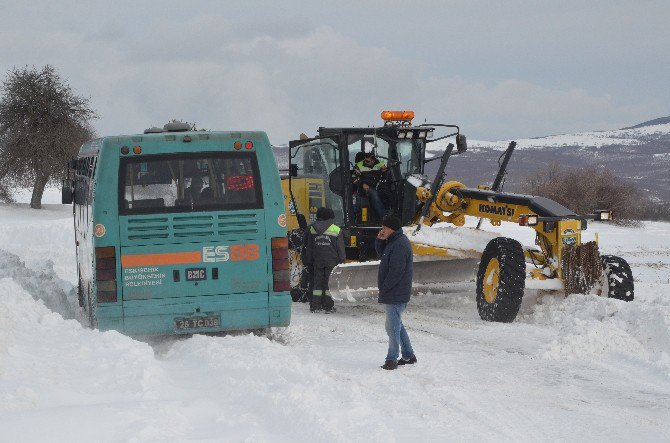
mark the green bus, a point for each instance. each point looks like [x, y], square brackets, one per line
[180, 231]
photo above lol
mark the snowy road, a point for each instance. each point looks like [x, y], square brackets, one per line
[577, 368]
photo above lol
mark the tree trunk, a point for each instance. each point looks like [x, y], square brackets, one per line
[41, 179]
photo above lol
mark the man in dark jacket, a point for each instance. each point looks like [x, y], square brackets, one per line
[324, 251]
[395, 287]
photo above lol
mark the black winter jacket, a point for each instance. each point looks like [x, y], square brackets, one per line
[395, 268]
[325, 245]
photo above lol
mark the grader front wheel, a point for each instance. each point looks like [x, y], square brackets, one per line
[501, 280]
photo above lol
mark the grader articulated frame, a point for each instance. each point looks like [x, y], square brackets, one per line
[504, 265]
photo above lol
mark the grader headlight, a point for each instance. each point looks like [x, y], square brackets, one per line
[604, 216]
[528, 220]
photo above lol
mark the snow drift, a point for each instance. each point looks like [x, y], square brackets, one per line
[575, 368]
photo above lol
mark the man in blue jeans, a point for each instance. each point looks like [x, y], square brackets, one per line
[395, 287]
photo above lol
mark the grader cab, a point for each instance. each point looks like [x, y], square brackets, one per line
[322, 172]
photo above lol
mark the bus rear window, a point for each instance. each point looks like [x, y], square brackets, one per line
[192, 182]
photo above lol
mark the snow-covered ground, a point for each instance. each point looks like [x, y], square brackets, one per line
[580, 368]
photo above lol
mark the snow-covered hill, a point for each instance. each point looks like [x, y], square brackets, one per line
[633, 136]
[577, 368]
[639, 154]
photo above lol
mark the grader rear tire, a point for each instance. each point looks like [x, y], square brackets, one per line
[501, 280]
[619, 277]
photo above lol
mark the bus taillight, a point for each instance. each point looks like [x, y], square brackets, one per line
[105, 274]
[281, 278]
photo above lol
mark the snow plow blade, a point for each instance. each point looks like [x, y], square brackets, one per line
[360, 279]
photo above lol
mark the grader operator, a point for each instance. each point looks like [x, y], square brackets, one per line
[323, 172]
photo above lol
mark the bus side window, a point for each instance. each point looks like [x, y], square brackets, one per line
[83, 176]
[94, 164]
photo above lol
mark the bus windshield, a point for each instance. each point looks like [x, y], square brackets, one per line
[189, 182]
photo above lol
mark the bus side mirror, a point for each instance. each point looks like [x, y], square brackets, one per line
[73, 164]
[67, 194]
[461, 143]
[293, 170]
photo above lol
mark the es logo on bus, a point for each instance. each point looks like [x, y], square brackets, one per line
[213, 254]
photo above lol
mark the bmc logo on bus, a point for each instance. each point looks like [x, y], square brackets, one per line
[211, 254]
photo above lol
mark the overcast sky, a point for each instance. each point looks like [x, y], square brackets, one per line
[499, 69]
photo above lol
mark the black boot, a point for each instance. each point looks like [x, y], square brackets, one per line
[315, 305]
[390, 365]
[328, 304]
[409, 361]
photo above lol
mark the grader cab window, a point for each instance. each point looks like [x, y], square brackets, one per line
[357, 144]
[409, 156]
[320, 159]
[314, 161]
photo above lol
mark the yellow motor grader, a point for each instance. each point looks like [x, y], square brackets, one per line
[321, 172]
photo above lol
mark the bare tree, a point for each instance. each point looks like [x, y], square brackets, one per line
[5, 193]
[42, 124]
[588, 189]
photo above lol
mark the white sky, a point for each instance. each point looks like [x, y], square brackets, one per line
[498, 69]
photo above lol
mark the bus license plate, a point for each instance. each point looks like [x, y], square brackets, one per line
[196, 274]
[197, 322]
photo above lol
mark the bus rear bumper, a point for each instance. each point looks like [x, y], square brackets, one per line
[213, 313]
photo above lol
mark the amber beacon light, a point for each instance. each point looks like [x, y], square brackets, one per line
[407, 116]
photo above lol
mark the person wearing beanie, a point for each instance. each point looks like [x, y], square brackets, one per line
[394, 280]
[324, 250]
[324, 213]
